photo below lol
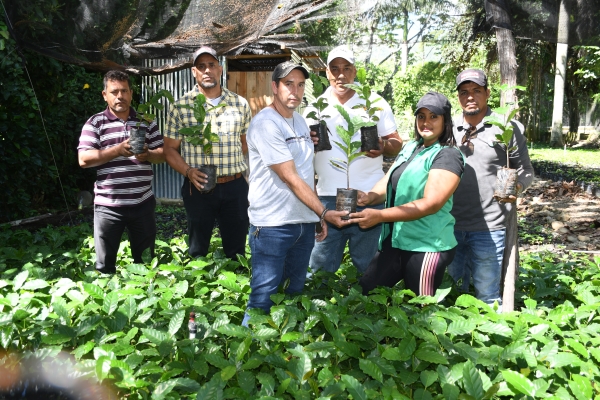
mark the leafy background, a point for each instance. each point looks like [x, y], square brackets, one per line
[128, 333]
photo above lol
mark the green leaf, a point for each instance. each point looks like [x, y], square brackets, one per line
[138, 269]
[497, 329]
[300, 367]
[239, 331]
[291, 337]
[371, 369]
[428, 378]
[176, 321]
[56, 338]
[581, 387]
[518, 382]
[578, 347]
[265, 334]
[228, 372]
[35, 284]
[243, 349]
[83, 349]
[111, 302]
[461, 327]
[472, 381]
[246, 381]
[561, 359]
[6, 335]
[155, 336]
[354, 387]
[431, 356]
[267, 382]
[129, 307]
[20, 279]
[407, 347]
[93, 290]
[163, 388]
[319, 346]
[450, 391]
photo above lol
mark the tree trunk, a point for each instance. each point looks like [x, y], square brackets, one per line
[404, 41]
[497, 11]
[562, 47]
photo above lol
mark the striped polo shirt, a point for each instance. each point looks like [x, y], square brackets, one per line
[123, 181]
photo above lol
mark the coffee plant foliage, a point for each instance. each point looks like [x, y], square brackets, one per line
[128, 332]
[36, 152]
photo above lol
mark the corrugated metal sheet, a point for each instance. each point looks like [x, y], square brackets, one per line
[166, 182]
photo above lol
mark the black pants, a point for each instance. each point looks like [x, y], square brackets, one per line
[227, 203]
[422, 272]
[109, 225]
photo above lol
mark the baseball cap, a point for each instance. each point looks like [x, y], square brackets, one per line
[471, 75]
[205, 50]
[282, 70]
[435, 102]
[341, 52]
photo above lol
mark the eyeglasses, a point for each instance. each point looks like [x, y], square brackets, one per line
[470, 134]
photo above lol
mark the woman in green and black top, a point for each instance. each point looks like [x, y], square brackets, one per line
[417, 239]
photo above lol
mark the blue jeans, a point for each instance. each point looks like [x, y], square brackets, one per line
[278, 253]
[479, 255]
[327, 255]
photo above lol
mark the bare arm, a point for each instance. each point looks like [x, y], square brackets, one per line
[389, 146]
[440, 185]
[175, 161]
[286, 171]
[94, 158]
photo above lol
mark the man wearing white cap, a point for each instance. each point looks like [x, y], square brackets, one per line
[365, 171]
[227, 203]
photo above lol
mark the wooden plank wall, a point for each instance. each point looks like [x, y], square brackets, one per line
[254, 86]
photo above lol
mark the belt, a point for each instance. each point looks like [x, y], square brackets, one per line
[228, 178]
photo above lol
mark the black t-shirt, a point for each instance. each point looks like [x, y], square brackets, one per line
[448, 159]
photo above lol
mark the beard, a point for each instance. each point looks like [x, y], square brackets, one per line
[208, 85]
[472, 112]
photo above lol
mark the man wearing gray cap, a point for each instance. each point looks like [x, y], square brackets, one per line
[480, 228]
[227, 203]
[283, 205]
[365, 171]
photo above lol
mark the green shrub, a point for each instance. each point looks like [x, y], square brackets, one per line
[128, 331]
[32, 161]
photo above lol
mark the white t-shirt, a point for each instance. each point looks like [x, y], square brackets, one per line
[273, 140]
[365, 172]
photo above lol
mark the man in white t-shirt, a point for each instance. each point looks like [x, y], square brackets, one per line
[365, 171]
[284, 208]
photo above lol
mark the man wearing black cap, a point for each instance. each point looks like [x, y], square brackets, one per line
[283, 205]
[480, 219]
[228, 202]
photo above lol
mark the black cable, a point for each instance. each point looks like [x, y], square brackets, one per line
[10, 27]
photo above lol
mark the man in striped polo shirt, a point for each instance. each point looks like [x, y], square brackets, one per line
[227, 203]
[123, 195]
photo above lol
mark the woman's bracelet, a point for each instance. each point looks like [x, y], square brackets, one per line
[187, 171]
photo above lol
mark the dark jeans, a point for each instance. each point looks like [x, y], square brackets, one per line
[227, 203]
[422, 272]
[109, 224]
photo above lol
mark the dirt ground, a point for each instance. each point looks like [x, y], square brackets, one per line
[558, 216]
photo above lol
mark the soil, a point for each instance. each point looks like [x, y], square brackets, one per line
[558, 217]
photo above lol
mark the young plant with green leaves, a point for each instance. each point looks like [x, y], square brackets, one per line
[201, 134]
[364, 91]
[349, 147]
[319, 85]
[143, 110]
[502, 119]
